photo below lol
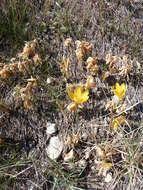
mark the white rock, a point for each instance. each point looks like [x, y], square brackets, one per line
[108, 178]
[49, 80]
[84, 136]
[93, 168]
[87, 153]
[54, 148]
[82, 163]
[95, 130]
[51, 128]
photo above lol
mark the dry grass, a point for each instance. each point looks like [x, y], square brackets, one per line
[114, 27]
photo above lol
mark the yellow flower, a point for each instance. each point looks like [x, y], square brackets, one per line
[119, 90]
[79, 95]
[117, 122]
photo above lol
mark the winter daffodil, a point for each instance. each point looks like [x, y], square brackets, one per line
[119, 90]
[78, 94]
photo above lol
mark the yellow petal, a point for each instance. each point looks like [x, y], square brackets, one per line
[80, 95]
[119, 91]
[77, 91]
[115, 125]
[107, 165]
[123, 87]
[117, 85]
[118, 121]
[70, 92]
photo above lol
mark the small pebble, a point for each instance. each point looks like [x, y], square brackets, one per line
[49, 80]
[108, 178]
[51, 128]
[84, 137]
[87, 153]
[93, 168]
[95, 130]
[82, 163]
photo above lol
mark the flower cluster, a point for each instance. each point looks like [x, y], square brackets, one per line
[78, 94]
[111, 65]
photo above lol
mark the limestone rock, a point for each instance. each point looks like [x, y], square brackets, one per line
[54, 148]
[51, 128]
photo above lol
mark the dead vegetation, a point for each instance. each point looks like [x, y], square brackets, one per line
[76, 89]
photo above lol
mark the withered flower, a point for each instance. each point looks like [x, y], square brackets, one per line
[37, 60]
[28, 104]
[4, 73]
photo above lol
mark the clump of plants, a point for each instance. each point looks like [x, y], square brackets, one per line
[109, 67]
[116, 68]
[23, 65]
